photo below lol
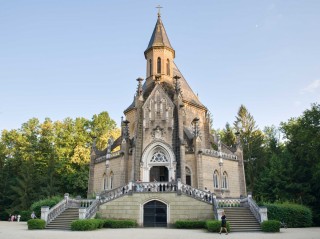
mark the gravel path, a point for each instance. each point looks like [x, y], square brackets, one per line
[15, 230]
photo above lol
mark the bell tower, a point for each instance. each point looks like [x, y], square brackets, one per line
[159, 55]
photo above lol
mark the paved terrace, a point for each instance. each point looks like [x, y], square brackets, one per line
[18, 230]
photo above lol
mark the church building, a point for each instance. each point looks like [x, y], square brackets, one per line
[165, 135]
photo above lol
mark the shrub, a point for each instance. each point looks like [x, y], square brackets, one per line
[36, 206]
[270, 226]
[86, 224]
[294, 215]
[25, 215]
[215, 225]
[190, 224]
[113, 223]
[36, 224]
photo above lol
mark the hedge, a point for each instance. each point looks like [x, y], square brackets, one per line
[294, 215]
[190, 224]
[215, 225]
[86, 224]
[36, 224]
[113, 223]
[36, 206]
[270, 226]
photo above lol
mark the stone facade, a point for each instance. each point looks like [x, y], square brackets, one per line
[166, 136]
[179, 207]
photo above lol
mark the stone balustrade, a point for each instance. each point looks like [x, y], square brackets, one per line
[197, 193]
[214, 153]
[260, 213]
[107, 196]
[154, 187]
[228, 202]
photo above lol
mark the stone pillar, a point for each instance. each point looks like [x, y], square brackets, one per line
[263, 211]
[82, 213]
[44, 213]
[183, 163]
[179, 186]
[130, 188]
[220, 212]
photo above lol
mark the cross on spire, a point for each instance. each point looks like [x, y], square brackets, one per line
[159, 7]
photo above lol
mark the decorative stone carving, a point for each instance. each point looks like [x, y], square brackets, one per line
[157, 133]
[159, 157]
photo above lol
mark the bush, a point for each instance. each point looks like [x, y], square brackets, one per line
[112, 223]
[25, 215]
[190, 224]
[86, 224]
[36, 206]
[215, 225]
[270, 226]
[294, 215]
[36, 224]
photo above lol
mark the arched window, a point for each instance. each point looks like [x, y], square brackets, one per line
[150, 67]
[111, 180]
[215, 179]
[168, 67]
[105, 182]
[159, 65]
[159, 157]
[224, 180]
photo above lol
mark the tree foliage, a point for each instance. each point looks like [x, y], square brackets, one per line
[41, 160]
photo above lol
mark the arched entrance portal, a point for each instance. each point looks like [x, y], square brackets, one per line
[159, 174]
[158, 162]
[155, 214]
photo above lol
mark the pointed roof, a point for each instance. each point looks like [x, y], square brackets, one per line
[187, 93]
[159, 36]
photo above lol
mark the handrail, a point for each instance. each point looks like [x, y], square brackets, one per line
[254, 208]
[92, 209]
[56, 210]
[106, 196]
[154, 187]
[197, 193]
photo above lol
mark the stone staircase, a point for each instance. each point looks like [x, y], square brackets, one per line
[241, 219]
[63, 221]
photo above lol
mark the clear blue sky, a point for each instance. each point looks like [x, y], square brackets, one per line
[76, 58]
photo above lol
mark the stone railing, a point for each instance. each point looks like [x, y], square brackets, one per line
[228, 202]
[107, 196]
[49, 214]
[90, 211]
[154, 187]
[214, 153]
[108, 156]
[260, 213]
[196, 193]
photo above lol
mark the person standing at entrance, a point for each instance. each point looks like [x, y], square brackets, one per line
[223, 223]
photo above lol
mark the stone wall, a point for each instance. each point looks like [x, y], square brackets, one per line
[179, 207]
[210, 164]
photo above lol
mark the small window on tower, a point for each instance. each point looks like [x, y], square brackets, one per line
[150, 67]
[159, 65]
[168, 67]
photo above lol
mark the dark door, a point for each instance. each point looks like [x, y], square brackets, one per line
[159, 173]
[188, 180]
[155, 214]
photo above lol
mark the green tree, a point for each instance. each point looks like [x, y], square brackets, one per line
[252, 141]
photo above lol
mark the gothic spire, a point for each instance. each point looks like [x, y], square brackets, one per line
[159, 36]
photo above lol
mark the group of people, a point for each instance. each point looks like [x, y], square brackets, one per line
[17, 217]
[13, 218]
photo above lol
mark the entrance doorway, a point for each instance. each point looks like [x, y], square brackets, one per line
[155, 214]
[188, 180]
[159, 173]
